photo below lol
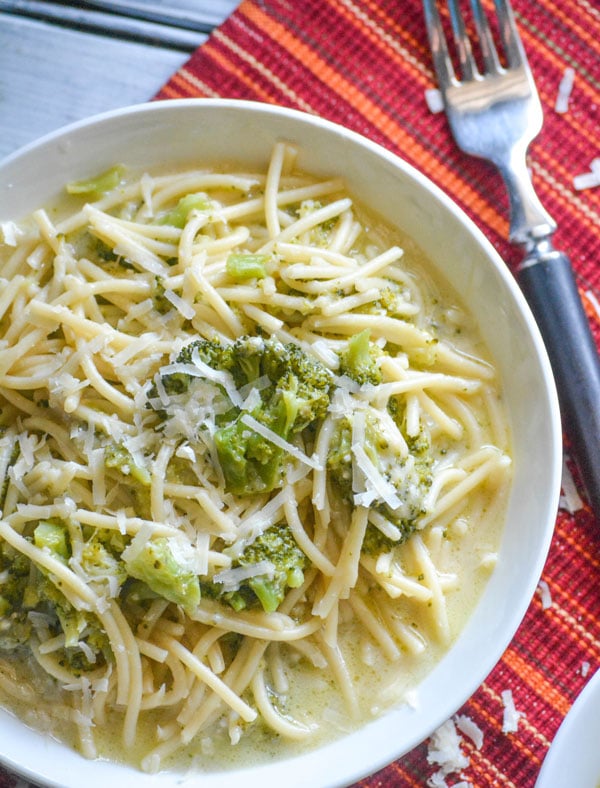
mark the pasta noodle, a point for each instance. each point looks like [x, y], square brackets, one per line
[253, 463]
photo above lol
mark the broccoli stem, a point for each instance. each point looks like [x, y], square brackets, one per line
[242, 267]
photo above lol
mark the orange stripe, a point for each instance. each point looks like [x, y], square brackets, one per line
[375, 115]
[498, 722]
[538, 40]
[481, 765]
[169, 91]
[191, 81]
[226, 64]
[585, 639]
[563, 619]
[566, 194]
[257, 66]
[536, 681]
[390, 44]
[493, 726]
[401, 771]
[594, 317]
[565, 531]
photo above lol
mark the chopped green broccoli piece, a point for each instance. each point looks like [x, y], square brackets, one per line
[52, 535]
[409, 475]
[104, 182]
[24, 588]
[277, 546]
[298, 395]
[210, 352]
[119, 457]
[359, 360]
[160, 301]
[9, 454]
[15, 627]
[249, 462]
[178, 216]
[242, 267]
[157, 566]
[100, 562]
[294, 395]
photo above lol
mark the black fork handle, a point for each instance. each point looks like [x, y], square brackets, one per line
[550, 288]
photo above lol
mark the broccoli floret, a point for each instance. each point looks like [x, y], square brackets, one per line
[25, 588]
[249, 462]
[101, 563]
[211, 352]
[298, 396]
[118, 458]
[77, 625]
[15, 627]
[157, 565]
[277, 546]
[359, 360]
[293, 395]
[410, 476]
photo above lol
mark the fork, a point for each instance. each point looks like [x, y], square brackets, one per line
[494, 113]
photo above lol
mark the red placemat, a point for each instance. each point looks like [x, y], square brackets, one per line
[366, 64]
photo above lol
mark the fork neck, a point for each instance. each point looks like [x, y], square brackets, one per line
[530, 224]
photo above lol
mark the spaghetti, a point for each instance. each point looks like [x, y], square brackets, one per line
[148, 503]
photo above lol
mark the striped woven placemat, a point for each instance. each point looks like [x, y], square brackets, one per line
[366, 64]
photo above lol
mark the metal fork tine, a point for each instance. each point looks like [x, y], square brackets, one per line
[511, 40]
[442, 61]
[486, 41]
[495, 115]
[463, 45]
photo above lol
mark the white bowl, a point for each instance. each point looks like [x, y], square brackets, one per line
[174, 132]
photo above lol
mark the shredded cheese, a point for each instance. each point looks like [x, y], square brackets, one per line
[511, 717]
[565, 89]
[434, 100]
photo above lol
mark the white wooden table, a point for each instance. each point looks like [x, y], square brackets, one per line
[62, 61]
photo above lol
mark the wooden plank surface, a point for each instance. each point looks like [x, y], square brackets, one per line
[83, 58]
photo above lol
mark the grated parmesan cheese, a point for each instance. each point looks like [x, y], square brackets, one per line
[588, 180]
[445, 751]
[469, 727]
[435, 102]
[185, 310]
[413, 699]
[377, 485]
[565, 89]
[510, 719]
[273, 437]
[570, 500]
[544, 590]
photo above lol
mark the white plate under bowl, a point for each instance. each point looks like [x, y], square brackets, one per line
[207, 130]
[574, 755]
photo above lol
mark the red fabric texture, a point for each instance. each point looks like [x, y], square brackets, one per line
[366, 64]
